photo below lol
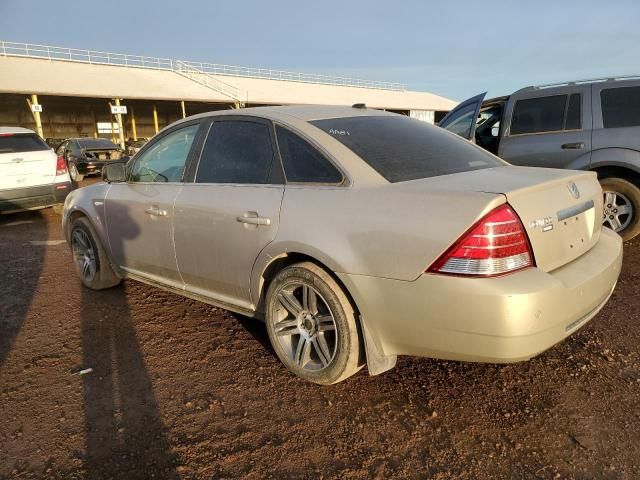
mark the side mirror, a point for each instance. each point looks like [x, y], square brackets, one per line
[114, 172]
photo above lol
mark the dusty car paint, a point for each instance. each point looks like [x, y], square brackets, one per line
[379, 239]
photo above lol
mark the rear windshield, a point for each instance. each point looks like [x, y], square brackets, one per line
[96, 143]
[22, 143]
[401, 148]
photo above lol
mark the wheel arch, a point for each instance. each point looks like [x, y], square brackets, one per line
[615, 170]
[376, 360]
[76, 211]
[285, 259]
[71, 217]
[616, 162]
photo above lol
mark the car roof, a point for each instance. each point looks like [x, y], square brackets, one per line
[7, 130]
[305, 113]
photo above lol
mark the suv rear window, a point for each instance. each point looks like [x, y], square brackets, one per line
[21, 143]
[620, 107]
[401, 148]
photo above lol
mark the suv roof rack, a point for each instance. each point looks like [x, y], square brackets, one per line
[586, 80]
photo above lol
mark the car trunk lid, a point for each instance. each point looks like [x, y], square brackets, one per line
[27, 169]
[560, 209]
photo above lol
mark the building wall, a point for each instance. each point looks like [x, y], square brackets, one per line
[64, 117]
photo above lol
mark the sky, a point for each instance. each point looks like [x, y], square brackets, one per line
[452, 48]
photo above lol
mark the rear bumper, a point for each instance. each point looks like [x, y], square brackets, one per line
[503, 319]
[29, 198]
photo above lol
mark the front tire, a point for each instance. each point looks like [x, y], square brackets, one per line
[89, 258]
[621, 207]
[312, 325]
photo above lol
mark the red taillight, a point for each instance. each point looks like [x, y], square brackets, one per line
[61, 166]
[495, 245]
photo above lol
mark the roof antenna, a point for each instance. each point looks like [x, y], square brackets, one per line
[358, 105]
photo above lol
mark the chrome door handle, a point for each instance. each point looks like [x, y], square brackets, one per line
[252, 218]
[573, 146]
[156, 212]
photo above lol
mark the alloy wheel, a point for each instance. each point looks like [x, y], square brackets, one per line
[305, 327]
[618, 211]
[84, 254]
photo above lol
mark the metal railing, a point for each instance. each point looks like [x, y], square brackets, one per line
[283, 75]
[191, 72]
[15, 49]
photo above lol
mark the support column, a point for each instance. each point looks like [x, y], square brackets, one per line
[120, 128]
[36, 115]
[95, 123]
[155, 117]
[133, 125]
[184, 112]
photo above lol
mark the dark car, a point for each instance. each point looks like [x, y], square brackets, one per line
[87, 156]
[582, 125]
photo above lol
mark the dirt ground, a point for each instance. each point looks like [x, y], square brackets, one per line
[180, 389]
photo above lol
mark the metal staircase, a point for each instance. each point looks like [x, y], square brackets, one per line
[192, 72]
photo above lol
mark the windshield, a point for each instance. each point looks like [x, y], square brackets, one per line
[30, 142]
[401, 148]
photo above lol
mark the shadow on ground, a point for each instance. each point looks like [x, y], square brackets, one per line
[125, 436]
[21, 272]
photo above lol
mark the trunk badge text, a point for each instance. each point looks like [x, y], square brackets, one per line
[573, 189]
[545, 223]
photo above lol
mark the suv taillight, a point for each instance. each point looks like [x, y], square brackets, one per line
[61, 166]
[495, 245]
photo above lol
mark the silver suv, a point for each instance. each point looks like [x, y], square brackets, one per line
[582, 125]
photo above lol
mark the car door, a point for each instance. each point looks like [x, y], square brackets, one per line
[548, 128]
[62, 149]
[231, 210]
[139, 213]
[462, 119]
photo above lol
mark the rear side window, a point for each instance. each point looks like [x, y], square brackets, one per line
[400, 148]
[302, 162]
[236, 152]
[21, 143]
[620, 107]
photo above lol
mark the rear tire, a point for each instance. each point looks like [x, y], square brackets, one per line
[312, 325]
[76, 176]
[621, 195]
[89, 258]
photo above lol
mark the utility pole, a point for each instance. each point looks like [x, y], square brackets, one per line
[155, 117]
[121, 130]
[133, 124]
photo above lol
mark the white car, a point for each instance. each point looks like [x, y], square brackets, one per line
[32, 176]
